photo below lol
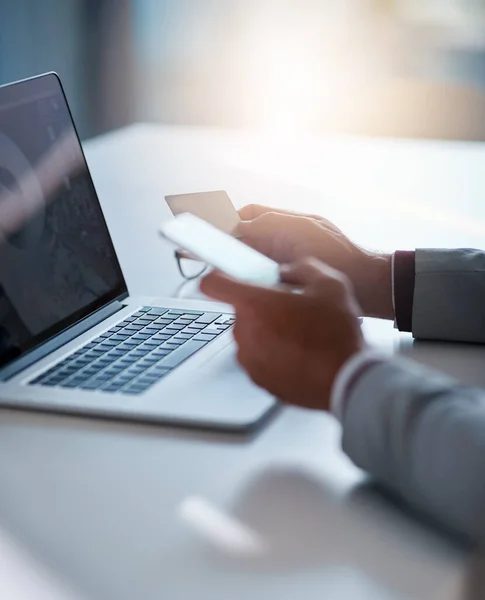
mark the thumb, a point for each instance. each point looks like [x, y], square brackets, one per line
[244, 229]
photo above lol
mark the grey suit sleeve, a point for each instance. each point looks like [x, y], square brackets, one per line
[423, 435]
[449, 295]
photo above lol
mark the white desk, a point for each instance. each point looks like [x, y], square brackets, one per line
[98, 502]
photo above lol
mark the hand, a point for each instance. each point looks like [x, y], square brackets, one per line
[287, 237]
[293, 345]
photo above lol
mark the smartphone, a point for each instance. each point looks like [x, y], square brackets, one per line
[220, 250]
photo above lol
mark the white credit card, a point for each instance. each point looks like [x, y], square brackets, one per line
[214, 207]
[220, 250]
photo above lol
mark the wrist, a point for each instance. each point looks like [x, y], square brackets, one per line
[374, 285]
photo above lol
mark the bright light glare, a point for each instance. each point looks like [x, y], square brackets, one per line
[290, 95]
[283, 74]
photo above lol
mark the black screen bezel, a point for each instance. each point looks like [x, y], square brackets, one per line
[50, 82]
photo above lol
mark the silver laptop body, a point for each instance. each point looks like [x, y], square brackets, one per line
[72, 339]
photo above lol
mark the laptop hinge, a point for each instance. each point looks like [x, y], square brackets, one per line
[27, 360]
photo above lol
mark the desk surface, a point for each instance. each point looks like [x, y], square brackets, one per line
[100, 503]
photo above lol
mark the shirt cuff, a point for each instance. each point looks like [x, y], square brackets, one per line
[393, 258]
[403, 281]
[348, 375]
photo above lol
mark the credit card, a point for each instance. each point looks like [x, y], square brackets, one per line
[214, 207]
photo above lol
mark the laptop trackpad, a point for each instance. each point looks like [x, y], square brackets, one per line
[222, 394]
[223, 361]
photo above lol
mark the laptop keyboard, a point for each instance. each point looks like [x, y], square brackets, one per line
[137, 352]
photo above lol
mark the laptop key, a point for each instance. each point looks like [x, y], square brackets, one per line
[164, 320]
[135, 389]
[143, 322]
[196, 325]
[52, 381]
[182, 353]
[204, 337]
[170, 346]
[137, 369]
[162, 336]
[73, 383]
[208, 317]
[211, 329]
[159, 370]
[189, 318]
[174, 327]
[158, 326]
[185, 335]
[160, 353]
[158, 311]
[183, 321]
[151, 329]
[113, 387]
[118, 338]
[115, 328]
[145, 362]
[90, 385]
[128, 345]
[152, 344]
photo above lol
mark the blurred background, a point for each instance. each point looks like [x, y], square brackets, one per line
[408, 68]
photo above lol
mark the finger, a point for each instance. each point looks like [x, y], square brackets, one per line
[326, 223]
[266, 225]
[253, 211]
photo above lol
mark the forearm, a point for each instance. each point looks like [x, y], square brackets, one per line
[424, 437]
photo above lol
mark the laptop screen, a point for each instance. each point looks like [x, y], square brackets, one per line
[57, 261]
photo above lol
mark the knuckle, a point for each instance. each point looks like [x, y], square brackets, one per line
[268, 217]
[309, 265]
[338, 284]
[309, 262]
[250, 209]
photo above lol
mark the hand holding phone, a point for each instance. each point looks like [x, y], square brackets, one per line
[220, 250]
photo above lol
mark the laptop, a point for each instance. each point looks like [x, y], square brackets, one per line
[72, 339]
